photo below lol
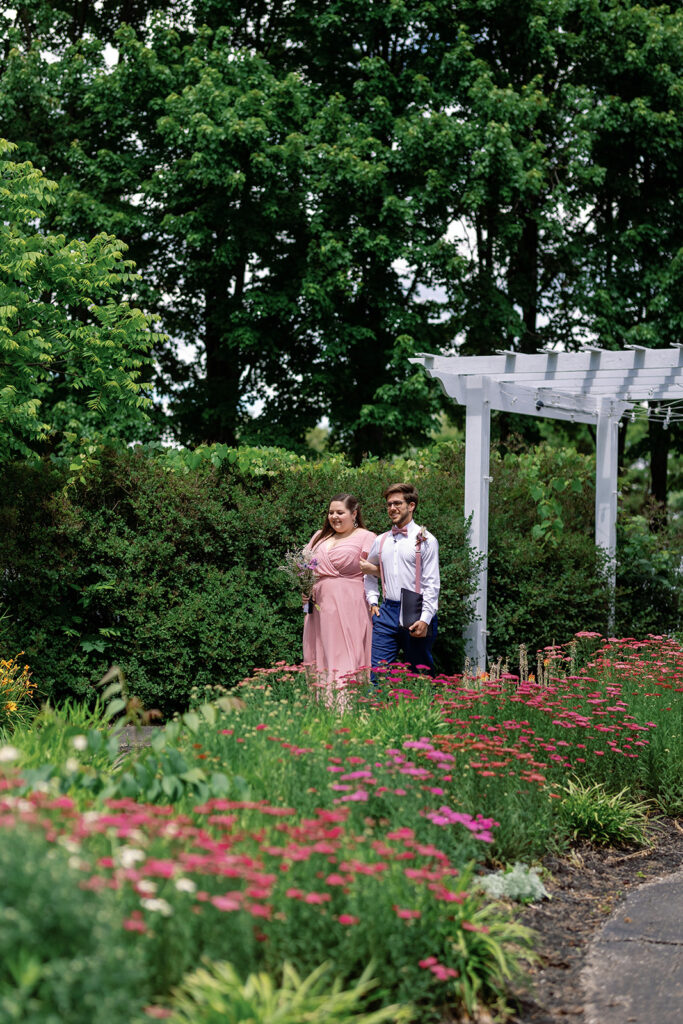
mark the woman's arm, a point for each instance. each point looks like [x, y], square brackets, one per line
[371, 575]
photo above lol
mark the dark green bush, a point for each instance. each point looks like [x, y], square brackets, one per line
[174, 575]
[167, 563]
[649, 580]
[543, 588]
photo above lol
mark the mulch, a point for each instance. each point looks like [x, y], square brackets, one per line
[585, 887]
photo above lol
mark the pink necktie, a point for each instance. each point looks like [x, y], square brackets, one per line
[395, 530]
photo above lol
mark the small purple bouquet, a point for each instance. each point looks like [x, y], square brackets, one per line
[300, 566]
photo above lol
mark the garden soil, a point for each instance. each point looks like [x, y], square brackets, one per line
[586, 887]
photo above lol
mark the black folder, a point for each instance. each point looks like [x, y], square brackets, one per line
[411, 609]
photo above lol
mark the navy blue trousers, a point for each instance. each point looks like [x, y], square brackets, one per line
[389, 640]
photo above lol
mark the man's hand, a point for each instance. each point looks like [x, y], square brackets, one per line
[418, 629]
[374, 609]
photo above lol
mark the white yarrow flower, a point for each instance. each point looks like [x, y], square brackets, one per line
[8, 754]
[159, 906]
[69, 844]
[185, 885]
[129, 855]
[79, 742]
[146, 887]
[76, 864]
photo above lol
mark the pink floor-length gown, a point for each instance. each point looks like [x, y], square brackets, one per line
[338, 633]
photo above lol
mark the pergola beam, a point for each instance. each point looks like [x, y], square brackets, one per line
[549, 364]
[509, 396]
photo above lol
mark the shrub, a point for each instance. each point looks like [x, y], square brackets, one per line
[166, 562]
[64, 955]
[649, 580]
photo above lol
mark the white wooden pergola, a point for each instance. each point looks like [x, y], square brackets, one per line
[591, 386]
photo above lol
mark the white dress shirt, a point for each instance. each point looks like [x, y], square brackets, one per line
[398, 568]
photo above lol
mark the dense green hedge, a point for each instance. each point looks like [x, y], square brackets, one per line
[167, 563]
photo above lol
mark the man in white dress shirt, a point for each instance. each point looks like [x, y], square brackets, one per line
[406, 557]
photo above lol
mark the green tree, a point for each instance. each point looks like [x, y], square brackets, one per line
[631, 285]
[213, 153]
[316, 191]
[71, 355]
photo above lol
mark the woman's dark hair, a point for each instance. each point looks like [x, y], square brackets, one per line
[406, 490]
[351, 504]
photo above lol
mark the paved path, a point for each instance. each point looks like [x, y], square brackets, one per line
[634, 967]
[136, 736]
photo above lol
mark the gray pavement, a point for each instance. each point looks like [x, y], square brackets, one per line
[634, 967]
[135, 736]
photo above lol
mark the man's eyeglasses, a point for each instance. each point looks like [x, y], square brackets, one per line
[395, 504]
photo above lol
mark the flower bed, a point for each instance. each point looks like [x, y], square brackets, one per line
[294, 834]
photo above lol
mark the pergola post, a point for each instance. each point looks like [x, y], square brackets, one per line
[477, 480]
[606, 469]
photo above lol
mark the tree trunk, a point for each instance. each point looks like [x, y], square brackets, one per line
[523, 283]
[219, 417]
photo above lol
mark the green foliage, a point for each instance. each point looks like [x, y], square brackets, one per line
[173, 575]
[71, 354]
[63, 742]
[649, 592]
[309, 209]
[215, 994]
[63, 952]
[545, 574]
[166, 561]
[591, 812]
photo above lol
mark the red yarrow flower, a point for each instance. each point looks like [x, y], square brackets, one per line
[405, 914]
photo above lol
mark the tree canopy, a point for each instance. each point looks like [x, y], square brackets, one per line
[314, 192]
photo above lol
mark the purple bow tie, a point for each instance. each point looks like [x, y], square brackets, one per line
[395, 530]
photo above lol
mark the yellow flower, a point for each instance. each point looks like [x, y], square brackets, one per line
[10, 706]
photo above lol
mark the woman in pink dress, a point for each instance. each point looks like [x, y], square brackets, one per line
[337, 631]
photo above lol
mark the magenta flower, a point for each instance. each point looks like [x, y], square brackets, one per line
[405, 914]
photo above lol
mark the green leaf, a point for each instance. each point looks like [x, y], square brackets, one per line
[172, 786]
[219, 784]
[191, 721]
[114, 708]
[208, 713]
